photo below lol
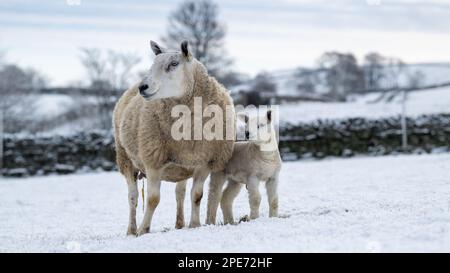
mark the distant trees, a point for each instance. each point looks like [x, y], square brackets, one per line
[374, 70]
[262, 89]
[198, 22]
[108, 72]
[263, 83]
[17, 86]
[382, 72]
[343, 74]
[306, 80]
[394, 68]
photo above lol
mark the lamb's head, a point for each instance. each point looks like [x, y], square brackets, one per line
[171, 74]
[260, 128]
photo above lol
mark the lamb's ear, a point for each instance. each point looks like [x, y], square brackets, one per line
[269, 115]
[185, 49]
[156, 48]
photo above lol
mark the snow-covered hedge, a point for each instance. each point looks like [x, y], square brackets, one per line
[28, 155]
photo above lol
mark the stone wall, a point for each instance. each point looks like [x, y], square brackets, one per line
[358, 136]
[31, 155]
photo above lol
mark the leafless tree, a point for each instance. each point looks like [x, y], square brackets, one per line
[374, 70]
[18, 88]
[111, 70]
[109, 73]
[263, 83]
[198, 22]
[395, 69]
[343, 74]
[262, 89]
[306, 80]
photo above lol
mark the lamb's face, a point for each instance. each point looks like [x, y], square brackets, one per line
[169, 74]
[259, 129]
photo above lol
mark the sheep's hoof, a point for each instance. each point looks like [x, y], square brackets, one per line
[179, 224]
[143, 231]
[131, 231]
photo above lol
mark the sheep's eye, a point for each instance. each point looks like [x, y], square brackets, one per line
[174, 63]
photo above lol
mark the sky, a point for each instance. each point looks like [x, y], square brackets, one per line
[262, 35]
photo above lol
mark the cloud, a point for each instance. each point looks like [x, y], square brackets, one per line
[287, 33]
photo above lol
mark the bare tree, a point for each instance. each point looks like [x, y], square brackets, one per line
[343, 74]
[262, 89]
[109, 73]
[263, 83]
[374, 70]
[394, 70]
[197, 21]
[111, 70]
[306, 80]
[17, 87]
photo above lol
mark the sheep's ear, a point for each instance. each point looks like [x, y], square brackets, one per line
[244, 117]
[185, 49]
[269, 115]
[156, 48]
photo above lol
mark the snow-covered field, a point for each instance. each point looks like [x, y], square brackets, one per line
[395, 203]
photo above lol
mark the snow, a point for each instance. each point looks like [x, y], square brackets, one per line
[51, 105]
[431, 101]
[386, 204]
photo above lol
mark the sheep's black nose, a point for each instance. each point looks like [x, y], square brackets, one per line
[247, 135]
[143, 87]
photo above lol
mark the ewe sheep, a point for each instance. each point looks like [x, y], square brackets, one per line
[142, 129]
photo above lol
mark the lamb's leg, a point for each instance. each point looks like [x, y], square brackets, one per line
[200, 175]
[180, 192]
[153, 196]
[254, 197]
[133, 196]
[214, 196]
[229, 194]
[272, 196]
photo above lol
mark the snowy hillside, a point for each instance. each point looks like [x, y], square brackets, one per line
[433, 73]
[382, 204]
[431, 101]
[418, 103]
[53, 107]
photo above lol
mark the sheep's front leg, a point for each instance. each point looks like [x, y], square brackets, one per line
[254, 197]
[200, 176]
[153, 196]
[132, 202]
[180, 192]
[214, 196]
[272, 196]
[229, 194]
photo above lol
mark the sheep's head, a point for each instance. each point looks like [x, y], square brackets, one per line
[170, 74]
